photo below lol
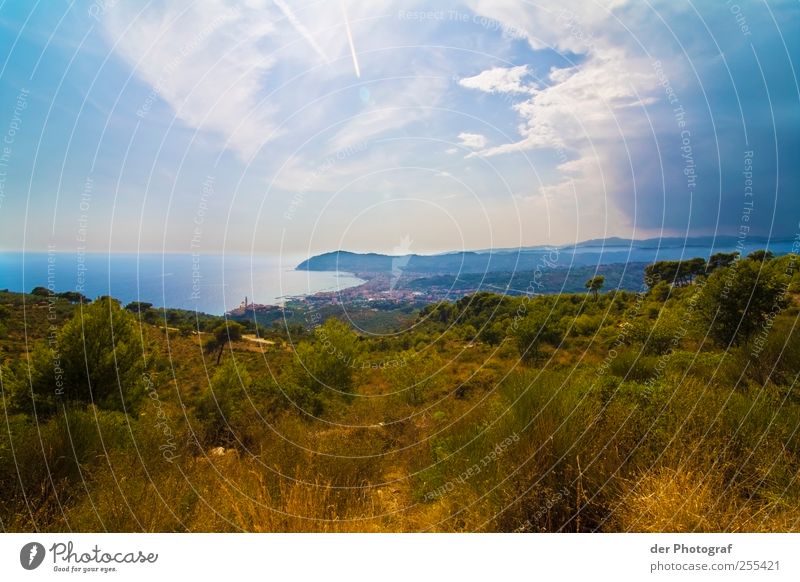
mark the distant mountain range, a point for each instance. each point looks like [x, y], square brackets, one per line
[606, 251]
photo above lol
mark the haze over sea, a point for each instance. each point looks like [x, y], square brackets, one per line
[207, 283]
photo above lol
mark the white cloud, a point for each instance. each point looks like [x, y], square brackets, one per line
[220, 64]
[570, 26]
[586, 113]
[499, 80]
[205, 60]
[473, 141]
[583, 105]
[402, 102]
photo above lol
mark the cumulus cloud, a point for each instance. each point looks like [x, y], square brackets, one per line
[582, 104]
[499, 80]
[586, 110]
[652, 106]
[473, 141]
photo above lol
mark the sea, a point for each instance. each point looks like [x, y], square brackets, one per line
[211, 284]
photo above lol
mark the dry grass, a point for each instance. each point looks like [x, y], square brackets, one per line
[683, 454]
[685, 500]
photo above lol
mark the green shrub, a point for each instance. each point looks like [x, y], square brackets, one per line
[97, 358]
[633, 366]
[327, 363]
[415, 377]
[537, 328]
[736, 301]
[222, 406]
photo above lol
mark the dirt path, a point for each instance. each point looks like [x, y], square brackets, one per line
[258, 340]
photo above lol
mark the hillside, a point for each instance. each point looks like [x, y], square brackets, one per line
[586, 254]
[672, 409]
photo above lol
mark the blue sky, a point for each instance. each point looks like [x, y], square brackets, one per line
[220, 126]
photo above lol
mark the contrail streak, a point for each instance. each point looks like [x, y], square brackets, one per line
[302, 30]
[350, 40]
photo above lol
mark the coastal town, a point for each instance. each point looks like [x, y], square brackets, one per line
[378, 293]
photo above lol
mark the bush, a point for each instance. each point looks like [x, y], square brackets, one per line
[51, 461]
[774, 354]
[415, 377]
[537, 328]
[585, 325]
[221, 407]
[657, 337]
[737, 300]
[633, 366]
[701, 365]
[327, 363]
[97, 358]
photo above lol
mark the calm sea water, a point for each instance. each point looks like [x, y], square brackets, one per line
[208, 283]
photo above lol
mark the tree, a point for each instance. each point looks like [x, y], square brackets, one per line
[442, 312]
[138, 306]
[666, 271]
[660, 291]
[97, 357]
[493, 333]
[719, 260]
[40, 291]
[74, 297]
[689, 270]
[144, 311]
[328, 362]
[536, 328]
[737, 300]
[224, 333]
[595, 284]
[761, 256]
[221, 408]
[678, 273]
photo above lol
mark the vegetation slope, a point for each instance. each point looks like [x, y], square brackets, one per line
[675, 408]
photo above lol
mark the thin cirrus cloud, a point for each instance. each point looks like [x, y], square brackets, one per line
[236, 69]
[206, 61]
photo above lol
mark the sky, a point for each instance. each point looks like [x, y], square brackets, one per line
[283, 126]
